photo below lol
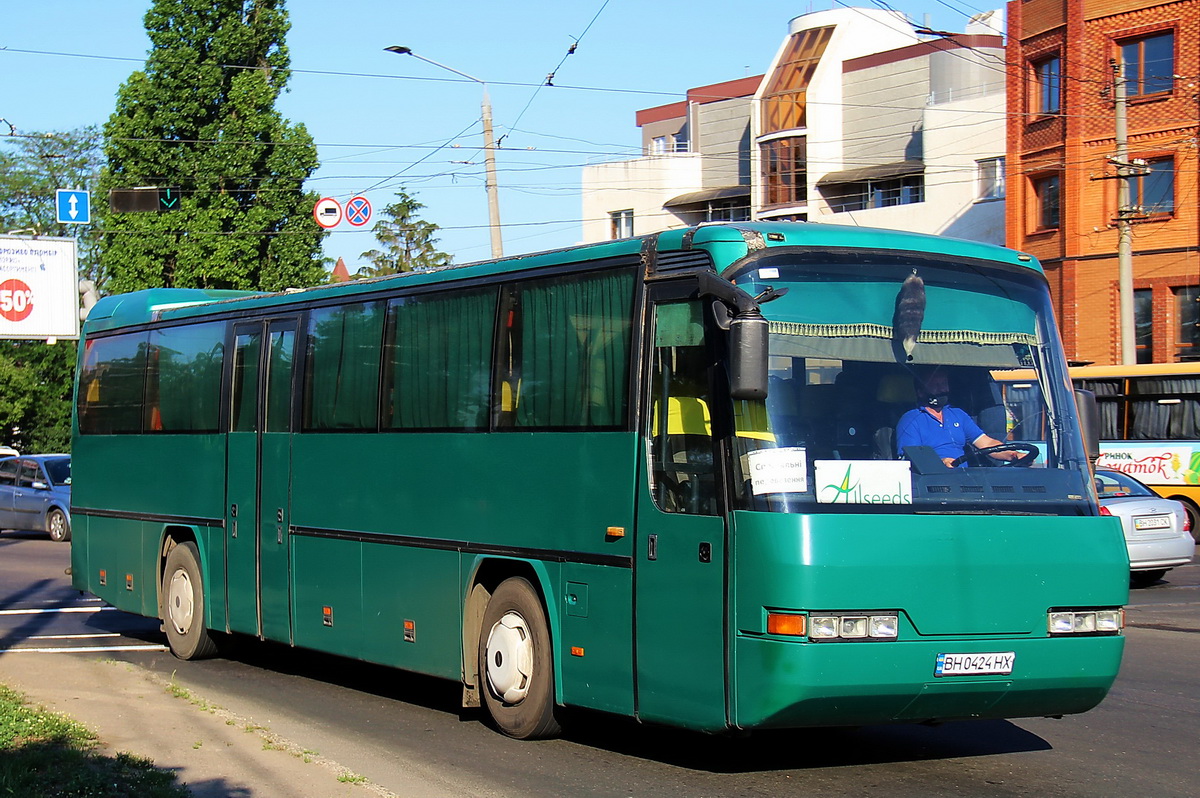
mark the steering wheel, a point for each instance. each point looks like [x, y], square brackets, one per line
[1031, 453]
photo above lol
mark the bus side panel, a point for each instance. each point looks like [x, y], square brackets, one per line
[596, 601]
[548, 496]
[403, 585]
[116, 567]
[157, 475]
[327, 590]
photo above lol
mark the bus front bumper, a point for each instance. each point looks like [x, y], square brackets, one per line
[787, 684]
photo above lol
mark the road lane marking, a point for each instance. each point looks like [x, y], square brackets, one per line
[81, 649]
[56, 609]
[74, 637]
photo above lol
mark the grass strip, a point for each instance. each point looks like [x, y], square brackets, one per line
[47, 755]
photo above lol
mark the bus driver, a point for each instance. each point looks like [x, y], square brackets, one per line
[935, 423]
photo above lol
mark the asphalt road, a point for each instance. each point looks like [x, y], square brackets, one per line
[394, 727]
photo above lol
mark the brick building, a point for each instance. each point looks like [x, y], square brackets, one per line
[1062, 202]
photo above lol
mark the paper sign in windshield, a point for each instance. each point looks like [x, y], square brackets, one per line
[779, 470]
[863, 481]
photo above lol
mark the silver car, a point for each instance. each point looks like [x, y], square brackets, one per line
[1157, 530]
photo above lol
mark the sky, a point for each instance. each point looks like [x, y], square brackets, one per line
[384, 121]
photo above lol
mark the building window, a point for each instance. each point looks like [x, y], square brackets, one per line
[1143, 324]
[1187, 330]
[991, 178]
[622, 223]
[785, 168]
[658, 145]
[1154, 192]
[1048, 85]
[1149, 64]
[785, 100]
[1045, 191]
[869, 194]
[728, 211]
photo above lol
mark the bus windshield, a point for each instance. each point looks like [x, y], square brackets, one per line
[855, 341]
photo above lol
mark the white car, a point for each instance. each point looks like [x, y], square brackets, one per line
[1157, 530]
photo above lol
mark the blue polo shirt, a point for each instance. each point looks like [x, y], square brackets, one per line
[948, 437]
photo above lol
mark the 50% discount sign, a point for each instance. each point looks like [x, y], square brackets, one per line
[16, 300]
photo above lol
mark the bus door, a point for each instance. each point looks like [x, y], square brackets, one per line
[258, 599]
[681, 539]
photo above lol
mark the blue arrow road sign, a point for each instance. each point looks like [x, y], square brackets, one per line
[74, 207]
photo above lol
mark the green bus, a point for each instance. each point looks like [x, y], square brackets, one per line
[652, 477]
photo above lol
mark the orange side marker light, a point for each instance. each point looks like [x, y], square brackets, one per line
[784, 623]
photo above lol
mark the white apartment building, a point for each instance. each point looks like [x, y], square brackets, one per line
[858, 120]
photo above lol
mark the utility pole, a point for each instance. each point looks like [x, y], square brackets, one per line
[489, 147]
[1126, 174]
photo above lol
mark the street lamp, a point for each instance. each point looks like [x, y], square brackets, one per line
[489, 148]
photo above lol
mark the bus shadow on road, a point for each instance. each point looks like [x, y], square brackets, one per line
[762, 751]
[801, 749]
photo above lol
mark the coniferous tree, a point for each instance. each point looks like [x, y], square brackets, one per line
[408, 242]
[201, 118]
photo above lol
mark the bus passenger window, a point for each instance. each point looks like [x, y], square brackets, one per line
[682, 476]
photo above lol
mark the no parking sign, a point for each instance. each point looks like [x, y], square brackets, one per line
[358, 211]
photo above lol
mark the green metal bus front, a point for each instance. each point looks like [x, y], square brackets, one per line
[961, 584]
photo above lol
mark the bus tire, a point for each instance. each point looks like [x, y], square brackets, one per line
[182, 604]
[58, 526]
[516, 665]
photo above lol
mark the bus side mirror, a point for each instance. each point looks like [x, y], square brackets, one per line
[1089, 423]
[748, 356]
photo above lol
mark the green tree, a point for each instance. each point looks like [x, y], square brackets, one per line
[201, 117]
[35, 395]
[32, 167]
[35, 377]
[408, 242]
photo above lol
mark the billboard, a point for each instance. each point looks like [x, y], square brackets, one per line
[39, 288]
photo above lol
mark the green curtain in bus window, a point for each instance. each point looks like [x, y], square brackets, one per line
[184, 381]
[342, 390]
[111, 384]
[574, 356]
[279, 381]
[245, 382]
[439, 361]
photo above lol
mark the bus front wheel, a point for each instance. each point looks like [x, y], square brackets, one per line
[516, 666]
[182, 604]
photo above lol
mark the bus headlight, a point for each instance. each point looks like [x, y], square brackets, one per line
[853, 626]
[823, 627]
[1085, 622]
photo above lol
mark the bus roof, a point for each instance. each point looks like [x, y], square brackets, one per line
[727, 243]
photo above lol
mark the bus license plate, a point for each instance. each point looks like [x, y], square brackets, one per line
[972, 664]
[1152, 522]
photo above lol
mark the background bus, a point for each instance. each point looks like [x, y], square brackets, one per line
[651, 477]
[1149, 423]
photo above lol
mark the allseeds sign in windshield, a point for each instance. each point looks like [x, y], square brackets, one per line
[863, 481]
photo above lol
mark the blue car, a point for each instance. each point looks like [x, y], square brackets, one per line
[35, 494]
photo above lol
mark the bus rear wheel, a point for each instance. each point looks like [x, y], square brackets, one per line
[181, 604]
[516, 667]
